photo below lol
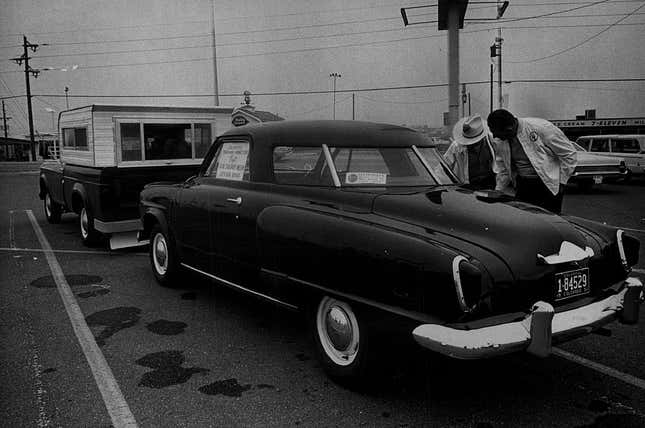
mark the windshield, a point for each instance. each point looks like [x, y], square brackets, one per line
[389, 166]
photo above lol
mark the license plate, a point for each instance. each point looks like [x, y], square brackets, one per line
[597, 179]
[572, 283]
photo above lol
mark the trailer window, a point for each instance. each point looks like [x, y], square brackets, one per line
[130, 142]
[75, 138]
[168, 141]
[203, 139]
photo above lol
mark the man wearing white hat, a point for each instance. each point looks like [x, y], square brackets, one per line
[471, 155]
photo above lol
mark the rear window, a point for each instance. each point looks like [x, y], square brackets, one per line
[75, 138]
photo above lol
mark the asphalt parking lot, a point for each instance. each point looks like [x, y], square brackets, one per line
[201, 355]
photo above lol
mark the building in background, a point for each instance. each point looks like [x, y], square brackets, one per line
[247, 113]
[589, 124]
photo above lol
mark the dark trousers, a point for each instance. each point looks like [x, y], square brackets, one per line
[533, 191]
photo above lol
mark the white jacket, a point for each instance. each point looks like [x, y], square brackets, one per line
[550, 152]
[457, 159]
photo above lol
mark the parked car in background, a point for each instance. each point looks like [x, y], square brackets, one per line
[593, 168]
[364, 228]
[630, 147]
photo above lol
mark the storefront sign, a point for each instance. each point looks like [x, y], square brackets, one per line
[598, 123]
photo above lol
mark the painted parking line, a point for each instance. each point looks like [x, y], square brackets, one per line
[115, 403]
[608, 371]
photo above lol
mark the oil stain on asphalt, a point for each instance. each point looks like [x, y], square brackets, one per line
[167, 369]
[72, 280]
[113, 320]
[228, 387]
[166, 328]
[98, 291]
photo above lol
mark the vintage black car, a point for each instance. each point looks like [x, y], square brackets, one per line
[363, 226]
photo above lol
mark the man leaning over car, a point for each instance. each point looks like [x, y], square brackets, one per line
[533, 157]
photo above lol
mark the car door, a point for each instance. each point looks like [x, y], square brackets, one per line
[191, 226]
[232, 219]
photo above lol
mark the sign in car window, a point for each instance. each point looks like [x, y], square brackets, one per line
[232, 161]
[365, 178]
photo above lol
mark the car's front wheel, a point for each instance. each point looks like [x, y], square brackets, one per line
[163, 257]
[341, 340]
[52, 210]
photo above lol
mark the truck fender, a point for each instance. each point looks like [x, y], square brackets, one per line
[79, 196]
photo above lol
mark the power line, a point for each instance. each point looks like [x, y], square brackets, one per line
[581, 43]
[544, 15]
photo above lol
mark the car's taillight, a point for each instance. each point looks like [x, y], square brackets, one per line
[468, 283]
[628, 248]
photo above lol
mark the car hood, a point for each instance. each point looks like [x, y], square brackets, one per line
[515, 231]
[586, 158]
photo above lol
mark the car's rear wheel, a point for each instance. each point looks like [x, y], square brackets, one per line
[89, 235]
[163, 257]
[341, 340]
[52, 210]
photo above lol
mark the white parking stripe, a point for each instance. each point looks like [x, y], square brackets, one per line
[632, 380]
[116, 405]
[89, 252]
[12, 239]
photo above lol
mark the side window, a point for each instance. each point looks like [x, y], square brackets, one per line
[231, 162]
[130, 142]
[167, 141]
[203, 139]
[583, 142]
[599, 145]
[295, 165]
[75, 138]
[627, 145]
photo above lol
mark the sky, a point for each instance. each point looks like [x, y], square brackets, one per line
[160, 52]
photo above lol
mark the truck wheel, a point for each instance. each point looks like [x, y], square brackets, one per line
[89, 235]
[163, 258]
[53, 210]
[341, 341]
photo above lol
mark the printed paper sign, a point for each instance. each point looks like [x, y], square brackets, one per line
[365, 178]
[232, 161]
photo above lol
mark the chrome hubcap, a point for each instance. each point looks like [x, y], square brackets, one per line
[84, 222]
[338, 331]
[48, 205]
[160, 253]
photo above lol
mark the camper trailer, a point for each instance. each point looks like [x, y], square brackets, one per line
[107, 154]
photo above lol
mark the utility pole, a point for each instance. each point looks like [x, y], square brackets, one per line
[334, 76]
[66, 99]
[463, 99]
[4, 120]
[491, 86]
[353, 106]
[28, 70]
[215, 85]
[500, 96]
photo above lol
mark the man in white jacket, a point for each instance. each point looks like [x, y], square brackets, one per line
[471, 155]
[533, 158]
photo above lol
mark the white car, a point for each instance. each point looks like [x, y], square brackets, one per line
[593, 168]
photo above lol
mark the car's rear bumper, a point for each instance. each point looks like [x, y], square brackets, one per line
[536, 332]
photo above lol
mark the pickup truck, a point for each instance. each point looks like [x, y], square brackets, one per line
[108, 153]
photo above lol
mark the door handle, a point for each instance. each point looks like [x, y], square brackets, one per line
[237, 200]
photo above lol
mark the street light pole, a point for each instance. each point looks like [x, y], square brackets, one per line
[66, 99]
[334, 76]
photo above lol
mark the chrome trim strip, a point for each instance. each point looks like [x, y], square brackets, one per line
[239, 287]
[417, 316]
[456, 277]
[621, 249]
[330, 165]
[425, 163]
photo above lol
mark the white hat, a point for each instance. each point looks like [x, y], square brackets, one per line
[469, 130]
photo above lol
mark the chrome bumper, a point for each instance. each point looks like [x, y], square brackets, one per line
[536, 331]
